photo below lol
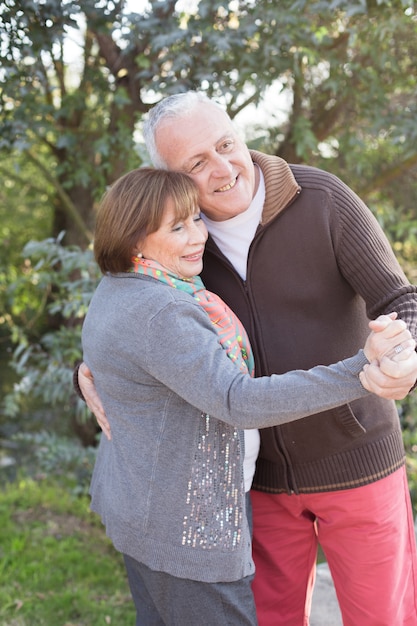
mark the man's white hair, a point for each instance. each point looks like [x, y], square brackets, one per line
[172, 107]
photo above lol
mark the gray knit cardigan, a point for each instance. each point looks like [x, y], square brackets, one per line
[169, 485]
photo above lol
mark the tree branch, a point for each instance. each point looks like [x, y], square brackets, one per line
[386, 177]
[67, 205]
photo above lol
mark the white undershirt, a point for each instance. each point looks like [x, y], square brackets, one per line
[234, 237]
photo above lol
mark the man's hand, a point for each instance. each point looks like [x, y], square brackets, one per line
[393, 370]
[86, 383]
[389, 337]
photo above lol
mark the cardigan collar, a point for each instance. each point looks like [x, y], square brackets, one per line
[280, 184]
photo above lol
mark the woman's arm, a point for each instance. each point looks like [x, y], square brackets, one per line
[385, 337]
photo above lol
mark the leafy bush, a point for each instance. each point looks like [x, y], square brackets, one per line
[46, 454]
[50, 300]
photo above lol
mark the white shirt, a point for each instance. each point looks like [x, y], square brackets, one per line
[233, 237]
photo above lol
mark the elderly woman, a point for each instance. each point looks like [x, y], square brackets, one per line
[170, 363]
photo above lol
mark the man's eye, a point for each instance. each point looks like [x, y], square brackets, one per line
[196, 166]
[226, 145]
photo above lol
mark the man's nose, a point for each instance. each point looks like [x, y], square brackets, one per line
[221, 166]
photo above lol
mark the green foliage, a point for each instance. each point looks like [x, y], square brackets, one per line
[25, 210]
[48, 304]
[56, 565]
[44, 454]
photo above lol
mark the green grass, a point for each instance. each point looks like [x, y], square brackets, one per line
[57, 567]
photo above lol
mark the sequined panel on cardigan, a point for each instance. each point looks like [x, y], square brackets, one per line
[214, 513]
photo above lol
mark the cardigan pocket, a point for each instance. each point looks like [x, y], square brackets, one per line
[308, 439]
[349, 421]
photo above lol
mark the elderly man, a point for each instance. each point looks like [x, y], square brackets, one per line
[303, 263]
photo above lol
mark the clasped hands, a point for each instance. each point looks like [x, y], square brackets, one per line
[390, 350]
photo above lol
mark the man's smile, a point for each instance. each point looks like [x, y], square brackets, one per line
[228, 186]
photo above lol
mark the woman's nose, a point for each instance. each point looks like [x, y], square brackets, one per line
[199, 232]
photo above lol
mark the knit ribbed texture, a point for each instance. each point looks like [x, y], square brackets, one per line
[279, 182]
[367, 464]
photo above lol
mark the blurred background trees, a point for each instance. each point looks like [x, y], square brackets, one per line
[331, 84]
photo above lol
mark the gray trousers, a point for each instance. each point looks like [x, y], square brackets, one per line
[164, 600]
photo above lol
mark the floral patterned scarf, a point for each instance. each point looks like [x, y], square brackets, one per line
[232, 335]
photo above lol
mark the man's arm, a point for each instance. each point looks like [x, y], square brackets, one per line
[367, 261]
[84, 380]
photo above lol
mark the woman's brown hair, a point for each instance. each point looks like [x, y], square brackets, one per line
[133, 207]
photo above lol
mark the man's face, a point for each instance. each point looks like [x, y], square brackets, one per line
[204, 145]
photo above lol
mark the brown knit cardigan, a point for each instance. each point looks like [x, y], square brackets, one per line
[318, 268]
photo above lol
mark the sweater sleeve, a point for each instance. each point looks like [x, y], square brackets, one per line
[191, 362]
[367, 261]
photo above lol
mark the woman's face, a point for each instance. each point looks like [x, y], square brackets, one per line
[177, 245]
